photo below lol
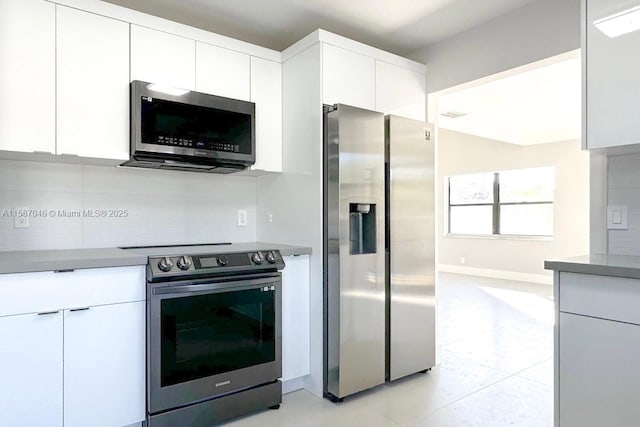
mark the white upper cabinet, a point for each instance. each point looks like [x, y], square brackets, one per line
[266, 92]
[348, 78]
[400, 91]
[93, 85]
[612, 78]
[222, 72]
[27, 75]
[163, 58]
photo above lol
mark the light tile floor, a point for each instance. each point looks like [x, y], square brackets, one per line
[495, 368]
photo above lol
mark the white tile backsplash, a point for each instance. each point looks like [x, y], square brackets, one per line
[623, 188]
[128, 180]
[624, 171]
[163, 207]
[50, 232]
[32, 176]
[150, 219]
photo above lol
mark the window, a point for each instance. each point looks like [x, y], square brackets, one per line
[517, 203]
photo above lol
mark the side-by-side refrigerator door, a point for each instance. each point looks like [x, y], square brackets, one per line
[410, 187]
[355, 209]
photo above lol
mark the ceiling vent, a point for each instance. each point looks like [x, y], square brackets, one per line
[453, 114]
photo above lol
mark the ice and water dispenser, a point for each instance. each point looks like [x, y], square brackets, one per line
[362, 228]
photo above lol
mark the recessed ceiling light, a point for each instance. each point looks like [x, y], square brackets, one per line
[453, 114]
[620, 23]
[167, 89]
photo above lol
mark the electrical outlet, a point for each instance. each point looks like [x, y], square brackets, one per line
[242, 217]
[21, 219]
[270, 217]
[462, 260]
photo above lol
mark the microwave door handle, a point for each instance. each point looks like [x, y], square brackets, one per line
[190, 165]
[224, 286]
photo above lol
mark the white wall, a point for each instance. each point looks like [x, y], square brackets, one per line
[460, 153]
[163, 206]
[539, 30]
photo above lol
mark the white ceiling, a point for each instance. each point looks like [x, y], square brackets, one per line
[400, 26]
[532, 107]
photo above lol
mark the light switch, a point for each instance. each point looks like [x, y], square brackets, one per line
[617, 217]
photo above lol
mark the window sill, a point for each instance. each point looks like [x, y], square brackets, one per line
[501, 237]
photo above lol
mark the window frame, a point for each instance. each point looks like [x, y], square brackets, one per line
[496, 205]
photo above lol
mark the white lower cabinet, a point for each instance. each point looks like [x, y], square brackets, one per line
[74, 360]
[104, 365]
[599, 376]
[31, 370]
[295, 317]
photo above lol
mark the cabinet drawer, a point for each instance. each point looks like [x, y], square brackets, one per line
[48, 291]
[613, 298]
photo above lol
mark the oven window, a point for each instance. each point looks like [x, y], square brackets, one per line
[205, 335]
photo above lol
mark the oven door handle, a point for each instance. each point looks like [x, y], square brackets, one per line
[223, 286]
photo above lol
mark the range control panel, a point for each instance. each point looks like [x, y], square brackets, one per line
[180, 267]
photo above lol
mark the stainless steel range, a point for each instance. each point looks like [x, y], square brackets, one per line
[213, 334]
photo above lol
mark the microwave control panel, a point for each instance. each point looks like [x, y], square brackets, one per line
[199, 145]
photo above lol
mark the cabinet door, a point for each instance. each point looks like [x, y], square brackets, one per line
[162, 58]
[27, 75]
[599, 379]
[222, 72]
[104, 365]
[612, 79]
[31, 370]
[266, 92]
[400, 91]
[348, 78]
[93, 85]
[295, 317]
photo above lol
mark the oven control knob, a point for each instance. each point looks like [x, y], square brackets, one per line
[271, 258]
[223, 260]
[165, 264]
[184, 263]
[256, 258]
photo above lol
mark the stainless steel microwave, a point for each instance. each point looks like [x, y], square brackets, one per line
[187, 130]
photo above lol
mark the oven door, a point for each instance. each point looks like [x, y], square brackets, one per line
[206, 338]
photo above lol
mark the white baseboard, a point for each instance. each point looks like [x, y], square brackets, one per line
[497, 274]
[292, 385]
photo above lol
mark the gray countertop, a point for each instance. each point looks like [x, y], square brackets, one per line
[75, 259]
[67, 259]
[601, 265]
[285, 250]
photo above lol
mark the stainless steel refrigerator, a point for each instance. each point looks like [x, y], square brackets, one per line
[411, 301]
[379, 249]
